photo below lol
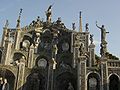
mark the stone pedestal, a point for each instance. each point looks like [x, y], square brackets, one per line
[81, 73]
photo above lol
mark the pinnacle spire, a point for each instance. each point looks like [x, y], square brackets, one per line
[18, 20]
[6, 24]
[80, 22]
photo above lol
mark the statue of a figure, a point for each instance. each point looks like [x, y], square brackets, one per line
[73, 26]
[103, 32]
[70, 87]
[91, 38]
[81, 49]
[1, 83]
[5, 85]
[49, 13]
[86, 26]
[55, 49]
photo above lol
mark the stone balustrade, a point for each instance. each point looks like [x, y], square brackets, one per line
[113, 63]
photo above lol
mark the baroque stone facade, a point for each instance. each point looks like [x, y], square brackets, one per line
[46, 55]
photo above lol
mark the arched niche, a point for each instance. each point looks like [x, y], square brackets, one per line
[26, 42]
[65, 81]
[17, 57]
[93, 81]
[114, 82]
[42, 62]
[35, 81]
[7, 74]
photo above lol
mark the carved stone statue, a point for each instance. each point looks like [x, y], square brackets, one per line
[70, 87]
[103, 33]
[91, 38]
[82, 49]
[73, 26]
[86, 26]
[5, 85]
[103, 45]
[49, 13]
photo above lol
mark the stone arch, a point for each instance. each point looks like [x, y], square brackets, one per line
[93, 81]
[7, 74]
[114, 82]
[17, 56]
[64, 79]
[26, 42]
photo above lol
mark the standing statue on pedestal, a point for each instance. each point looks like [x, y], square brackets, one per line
[91, 38]
[103, 44]
[86, 27]
[49, 14]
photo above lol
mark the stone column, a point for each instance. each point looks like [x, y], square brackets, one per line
[81, 73]
[92, 55]
[31, 57]
[4, 36]
[7, 53]
[104, 74]
[17, 39]
[49, 79]
[20, 76]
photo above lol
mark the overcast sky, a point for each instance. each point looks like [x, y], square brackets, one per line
[106, 12]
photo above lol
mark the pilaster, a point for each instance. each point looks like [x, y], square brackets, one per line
[17, 39]
[21, 71]
[81, 73]
[6, 52]
[30, 57]
[92, 55]
[104, 74]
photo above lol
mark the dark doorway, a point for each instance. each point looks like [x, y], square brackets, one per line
[35, 81]
[114, 82]
[66, 81]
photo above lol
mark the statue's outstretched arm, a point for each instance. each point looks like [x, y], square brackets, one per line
[97, 25]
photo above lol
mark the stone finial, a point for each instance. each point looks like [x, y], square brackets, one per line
[80, 27]
[18, 20]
